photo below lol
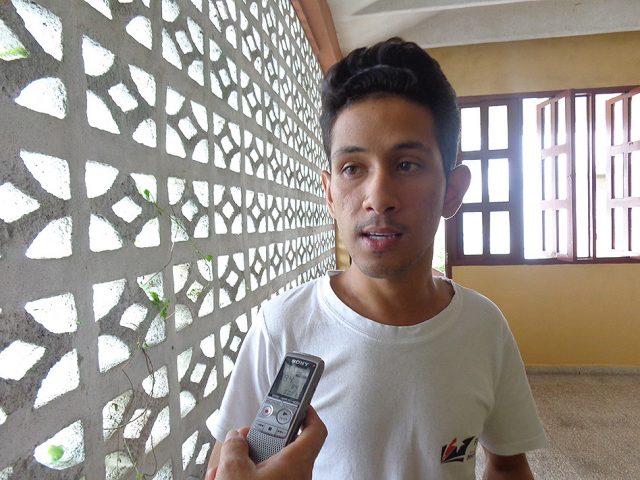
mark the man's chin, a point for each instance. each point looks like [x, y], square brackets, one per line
[381, 271]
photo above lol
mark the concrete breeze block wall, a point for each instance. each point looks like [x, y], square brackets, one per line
[159, 179]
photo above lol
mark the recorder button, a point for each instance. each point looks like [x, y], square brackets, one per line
[270, 429]
[284, 416]
[267, 410]
[280, 433]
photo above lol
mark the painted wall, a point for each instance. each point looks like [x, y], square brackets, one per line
[561, 315]
[566, 315]
[540, 65]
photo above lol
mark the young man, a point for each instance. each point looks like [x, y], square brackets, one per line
[418, 370]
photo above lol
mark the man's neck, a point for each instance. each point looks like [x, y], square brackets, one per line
[404, 300]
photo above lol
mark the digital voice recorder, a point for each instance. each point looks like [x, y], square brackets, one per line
[285, 406]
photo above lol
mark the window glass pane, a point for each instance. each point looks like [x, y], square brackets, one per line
[500, 239]
[472, 233]
[562, 176]
[546, 119]
[474, 193]
[563, 228]
[498, 180]
[635, 230]
[550, 243]
[549, 189]
[498, 128]
[582, 180]
[634, 175]
[620, 229]
[470, 138]
[635, 118]
[618, 131]
[531, 186]
[618, 177]
[562, 125]
[604, 214]
[602, 140]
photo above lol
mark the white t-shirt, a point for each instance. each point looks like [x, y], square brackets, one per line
[398, 402]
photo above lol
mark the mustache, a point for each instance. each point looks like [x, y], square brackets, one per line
[379, 221]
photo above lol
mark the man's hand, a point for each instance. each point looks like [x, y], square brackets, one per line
[514, 467]
[294, 462]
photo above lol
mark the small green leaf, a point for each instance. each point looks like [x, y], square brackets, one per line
[14, 53]
[55, 452]
[147, 193]
[209, 257]
[154, 297]
[164, 309]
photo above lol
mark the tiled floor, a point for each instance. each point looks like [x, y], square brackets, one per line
[593, 426]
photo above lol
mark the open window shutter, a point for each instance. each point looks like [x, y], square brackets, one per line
[555, 119]
[623, 172]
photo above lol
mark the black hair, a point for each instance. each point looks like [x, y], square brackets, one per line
[389, 68]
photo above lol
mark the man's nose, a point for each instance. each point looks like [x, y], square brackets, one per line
[381, 193]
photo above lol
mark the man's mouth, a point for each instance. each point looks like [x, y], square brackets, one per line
[380, 235]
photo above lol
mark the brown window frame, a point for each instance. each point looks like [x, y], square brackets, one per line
[454, 240]
[625, 202]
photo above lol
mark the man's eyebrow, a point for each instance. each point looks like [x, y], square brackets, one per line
[410, 145]
[347, 150]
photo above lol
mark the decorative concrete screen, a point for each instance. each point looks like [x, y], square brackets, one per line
[159, 179]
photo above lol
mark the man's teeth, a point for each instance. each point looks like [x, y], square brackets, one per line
[381, 235]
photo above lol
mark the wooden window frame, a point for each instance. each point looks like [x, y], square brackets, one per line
[453, 228]
[553, 204]
[454, 241]
[625, 149]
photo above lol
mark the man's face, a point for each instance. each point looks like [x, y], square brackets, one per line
[387, 185]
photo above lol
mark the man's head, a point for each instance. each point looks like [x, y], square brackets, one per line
[393, 68]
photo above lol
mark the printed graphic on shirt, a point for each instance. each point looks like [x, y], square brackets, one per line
[459, 451]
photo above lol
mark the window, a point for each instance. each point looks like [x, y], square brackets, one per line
[555, 178]
[489, 223]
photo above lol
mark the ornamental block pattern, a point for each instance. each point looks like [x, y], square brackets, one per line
[159, 179]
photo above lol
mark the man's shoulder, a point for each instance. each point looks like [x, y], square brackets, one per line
[299, 297]
[477, 304]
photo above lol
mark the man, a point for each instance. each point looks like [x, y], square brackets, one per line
[418, 369]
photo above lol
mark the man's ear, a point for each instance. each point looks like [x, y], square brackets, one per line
[326, 185]
[457, 185]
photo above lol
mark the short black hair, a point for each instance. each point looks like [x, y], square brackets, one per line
[390, 68]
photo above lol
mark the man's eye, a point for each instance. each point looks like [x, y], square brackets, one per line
[407, 166]
[349, 169]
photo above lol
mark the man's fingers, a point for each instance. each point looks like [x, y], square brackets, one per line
[314, 432]
[234, 456]
[234, 444]
[298, 457]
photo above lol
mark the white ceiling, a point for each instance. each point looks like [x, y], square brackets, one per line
[439, 23]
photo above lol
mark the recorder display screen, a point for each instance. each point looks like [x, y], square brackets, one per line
[293, 379]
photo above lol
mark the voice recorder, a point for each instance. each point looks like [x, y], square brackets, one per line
[285, 406]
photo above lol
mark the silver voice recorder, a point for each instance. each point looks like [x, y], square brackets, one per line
[285, 406]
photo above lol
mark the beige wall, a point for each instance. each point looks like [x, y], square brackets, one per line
[566, 315]
[561, 315]
[540, 65]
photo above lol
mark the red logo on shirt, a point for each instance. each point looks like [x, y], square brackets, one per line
[459, 451]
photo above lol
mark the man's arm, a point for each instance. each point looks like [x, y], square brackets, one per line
[513, 467]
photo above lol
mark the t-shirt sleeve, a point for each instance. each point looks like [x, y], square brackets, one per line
[513, 426]
[254, 370]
